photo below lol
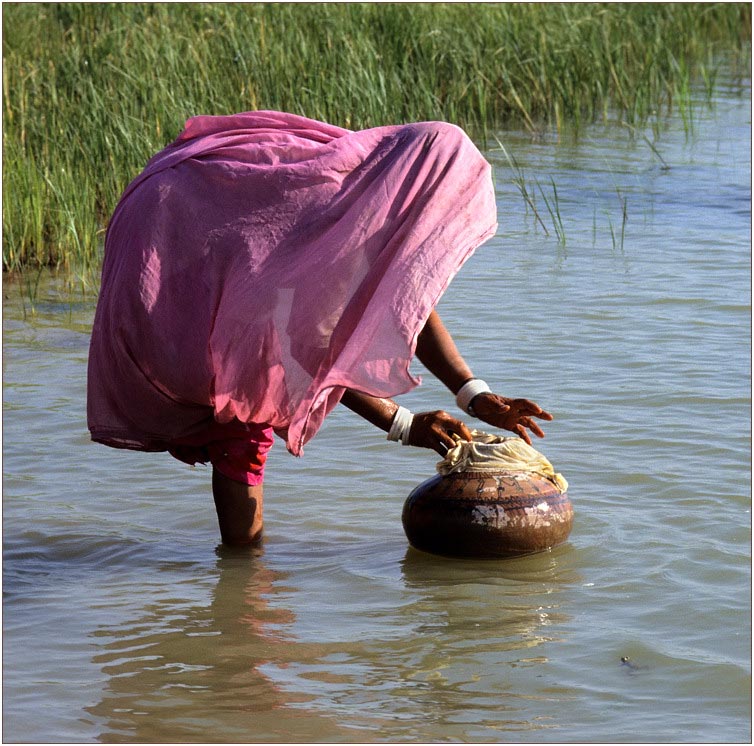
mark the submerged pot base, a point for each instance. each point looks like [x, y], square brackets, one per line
[477, 514]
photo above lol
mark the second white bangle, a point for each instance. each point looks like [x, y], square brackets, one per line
[401, 425]
[468, 391]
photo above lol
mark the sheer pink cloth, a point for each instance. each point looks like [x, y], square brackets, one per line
[263, 262]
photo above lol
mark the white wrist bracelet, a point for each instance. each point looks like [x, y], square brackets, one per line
[401, 425]
[468, 391]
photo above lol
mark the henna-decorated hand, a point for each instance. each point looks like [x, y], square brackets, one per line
[510, 414]
[435, 430]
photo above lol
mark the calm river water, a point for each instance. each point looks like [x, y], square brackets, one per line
[125, 621]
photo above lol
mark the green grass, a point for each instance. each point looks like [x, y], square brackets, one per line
[91, 91]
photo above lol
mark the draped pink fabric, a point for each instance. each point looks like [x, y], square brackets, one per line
[264, 262]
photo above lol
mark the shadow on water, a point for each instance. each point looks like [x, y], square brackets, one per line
[236, 664]
[187, 671]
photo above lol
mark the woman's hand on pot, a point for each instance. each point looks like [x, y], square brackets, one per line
[510, 414]
[435, 430]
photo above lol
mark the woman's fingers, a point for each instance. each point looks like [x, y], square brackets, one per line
[520, 430]
[534, 427]
[435, 430]
[523, 423]
[444, 428]
[459, 428]
[527, 408]
[516, 416]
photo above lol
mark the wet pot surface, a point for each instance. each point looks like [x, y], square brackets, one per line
[475, 514]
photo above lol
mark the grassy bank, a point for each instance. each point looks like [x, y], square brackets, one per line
[90, 91]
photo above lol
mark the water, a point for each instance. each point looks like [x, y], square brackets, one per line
[125, 621]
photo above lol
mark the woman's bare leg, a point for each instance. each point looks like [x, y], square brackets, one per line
[239, 510]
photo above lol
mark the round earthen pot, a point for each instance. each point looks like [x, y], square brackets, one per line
[482, 514]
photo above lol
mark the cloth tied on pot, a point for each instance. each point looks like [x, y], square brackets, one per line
[495, 453]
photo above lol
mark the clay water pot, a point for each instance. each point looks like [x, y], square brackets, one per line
[483, 514]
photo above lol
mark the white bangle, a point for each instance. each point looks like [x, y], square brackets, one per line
[468, 391]
[401, 425]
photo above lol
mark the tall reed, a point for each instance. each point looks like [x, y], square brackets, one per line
[90, 91]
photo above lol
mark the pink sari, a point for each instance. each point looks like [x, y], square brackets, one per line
[264, 262]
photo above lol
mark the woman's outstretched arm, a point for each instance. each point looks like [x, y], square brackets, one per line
[438, 352]
[428, 430]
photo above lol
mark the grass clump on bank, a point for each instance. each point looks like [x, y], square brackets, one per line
[91, 91]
